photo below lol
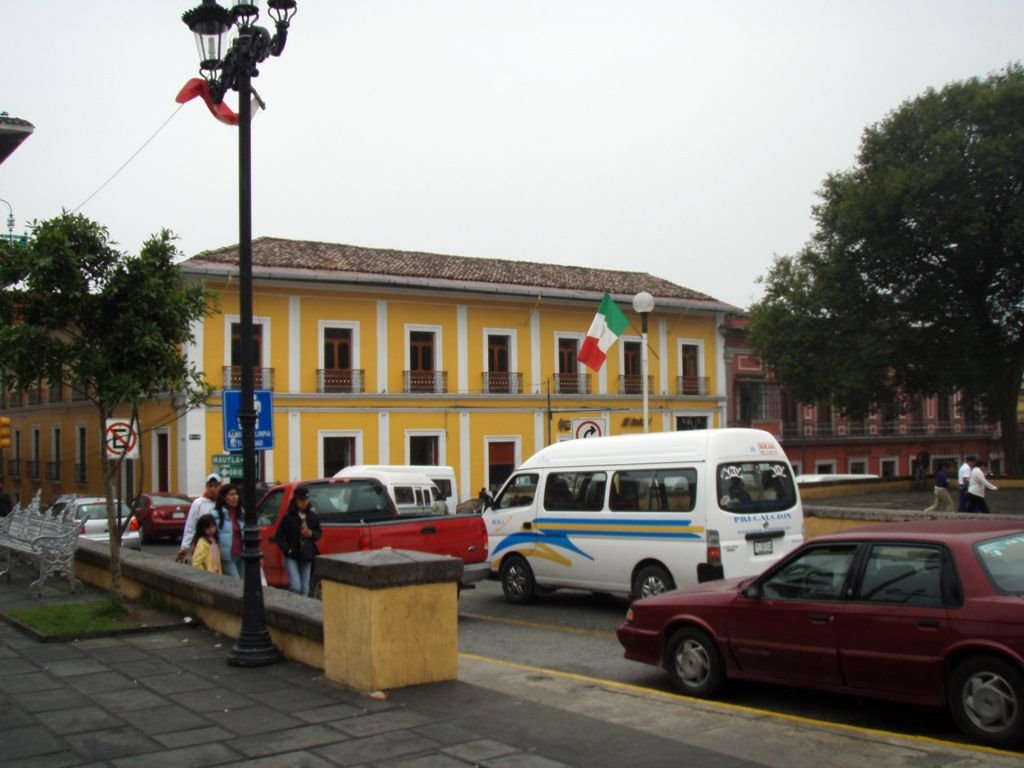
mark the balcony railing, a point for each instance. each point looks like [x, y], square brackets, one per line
[81, 475]
[32, 470]
[14, 467]
[53, 471]
[35, 395]
[572, 383]
[631, 384]
[890, 428]
[262, 378]
[503, 382]
[691, 385]
[56, 393]
[431, 382]
[78, 393]
[330, 380]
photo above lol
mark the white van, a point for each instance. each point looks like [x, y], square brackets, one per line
[413, 492]
[642, 514]
[443, 478]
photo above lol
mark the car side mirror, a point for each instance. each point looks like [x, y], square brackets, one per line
[753, 592]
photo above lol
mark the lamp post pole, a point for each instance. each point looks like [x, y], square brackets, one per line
[643, 303]
[210, 23]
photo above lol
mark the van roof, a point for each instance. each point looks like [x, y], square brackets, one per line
[426, 469]
[660, 447]
[386, 477]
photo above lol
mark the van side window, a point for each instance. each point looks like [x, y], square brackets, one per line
[755, 486]
[654, 490]
[518, 492]
[575, 491]
[404, 494]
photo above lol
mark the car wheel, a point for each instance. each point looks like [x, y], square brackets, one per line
[517, 580]
[693, 663]
[651, 580]
[986, 697]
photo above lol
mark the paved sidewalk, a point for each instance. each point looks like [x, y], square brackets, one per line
[169, 699]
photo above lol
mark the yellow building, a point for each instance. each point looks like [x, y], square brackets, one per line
[388, 357]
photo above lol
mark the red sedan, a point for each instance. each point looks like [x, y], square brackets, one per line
[161, 515]
[929, 613]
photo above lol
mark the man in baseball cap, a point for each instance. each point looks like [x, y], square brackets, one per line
[201, 506]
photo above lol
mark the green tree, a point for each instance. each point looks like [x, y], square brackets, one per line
[913, 283]
[74, 310]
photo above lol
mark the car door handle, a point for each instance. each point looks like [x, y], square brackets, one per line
[928, 623]
[820, 618]
[428, 529]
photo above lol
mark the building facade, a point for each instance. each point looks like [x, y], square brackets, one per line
[390, 357]
[818, 439]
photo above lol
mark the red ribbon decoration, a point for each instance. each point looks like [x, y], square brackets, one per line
[199, 87]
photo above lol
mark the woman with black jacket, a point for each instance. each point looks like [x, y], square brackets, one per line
[297, 534]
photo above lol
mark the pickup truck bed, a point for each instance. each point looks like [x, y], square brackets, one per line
[357, 514]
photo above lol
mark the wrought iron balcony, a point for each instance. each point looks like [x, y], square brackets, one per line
[81, 474]
[503, 382]
[572, 383]
[14, 467]
[262, 378]
[692, 385]
[53, 471]
[32, 470]
[428, 382]
[633, 384]
[331, 380]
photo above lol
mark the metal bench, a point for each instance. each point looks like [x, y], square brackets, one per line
[28, 534]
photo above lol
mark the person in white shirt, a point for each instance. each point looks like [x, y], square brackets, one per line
[964, 478]
[203, 505]
[976, 489]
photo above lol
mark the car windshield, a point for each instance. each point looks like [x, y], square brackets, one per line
[167, 501]
[96, 511]
[1003, 561]
[755, 486]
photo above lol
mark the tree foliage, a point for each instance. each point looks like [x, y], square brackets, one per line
[913, 283]
[74, 310]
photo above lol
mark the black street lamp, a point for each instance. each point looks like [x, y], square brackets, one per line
[234, 71]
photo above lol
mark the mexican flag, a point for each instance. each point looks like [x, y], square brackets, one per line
[608, 325]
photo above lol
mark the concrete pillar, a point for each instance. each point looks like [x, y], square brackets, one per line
[390, 618]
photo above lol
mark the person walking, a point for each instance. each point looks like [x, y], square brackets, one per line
[205, 549]
[202, 505]
[227, 512]
[976, 488]
[942, 498]
[964, 478]
[297, 534]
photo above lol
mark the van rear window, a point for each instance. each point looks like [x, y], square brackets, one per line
[755, 486]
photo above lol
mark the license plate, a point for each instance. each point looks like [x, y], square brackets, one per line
[763, 547]
[181, 516]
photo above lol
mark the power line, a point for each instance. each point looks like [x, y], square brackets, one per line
[134, 155]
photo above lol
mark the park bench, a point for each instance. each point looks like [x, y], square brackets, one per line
[29, 534]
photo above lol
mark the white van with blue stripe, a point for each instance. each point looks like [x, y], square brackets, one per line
[643, 514]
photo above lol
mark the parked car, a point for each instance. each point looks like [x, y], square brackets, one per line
[928, 613]
[91, 512]
[161, 515]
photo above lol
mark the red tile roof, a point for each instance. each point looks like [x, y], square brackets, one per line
[291, 257]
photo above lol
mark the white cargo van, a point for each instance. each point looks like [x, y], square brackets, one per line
[641, 514]
[413, 492]
[443, 478]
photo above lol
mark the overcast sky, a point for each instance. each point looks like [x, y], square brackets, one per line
[685, 139]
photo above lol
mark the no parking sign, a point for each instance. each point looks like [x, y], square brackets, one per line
[121, 438]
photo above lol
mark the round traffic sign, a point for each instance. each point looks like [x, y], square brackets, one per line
[121, 438]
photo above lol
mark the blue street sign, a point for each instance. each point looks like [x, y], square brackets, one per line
[263, 402]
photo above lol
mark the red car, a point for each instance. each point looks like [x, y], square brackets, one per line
[929, 613]
[161, 515]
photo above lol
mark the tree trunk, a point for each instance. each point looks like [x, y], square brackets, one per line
[110, 467]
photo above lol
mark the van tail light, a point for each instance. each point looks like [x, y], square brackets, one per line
[714, 556]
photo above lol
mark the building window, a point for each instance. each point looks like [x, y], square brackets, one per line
[338, 372]
[632, 368]
[339, 452]
[501, 460]
[262, 378]
[499, 365]
[424, 449]
[422, 361]
[684, 423]
[570, 380]
[889, 467]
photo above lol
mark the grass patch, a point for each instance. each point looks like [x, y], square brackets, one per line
[75, 618]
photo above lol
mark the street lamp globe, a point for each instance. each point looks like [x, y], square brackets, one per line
[643, 303]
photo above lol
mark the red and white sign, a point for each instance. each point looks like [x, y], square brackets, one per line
[584, 428]
[121, 439]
